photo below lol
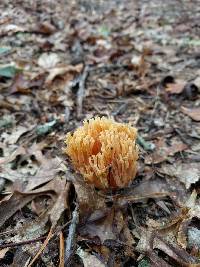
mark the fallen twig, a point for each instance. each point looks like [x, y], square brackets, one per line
[62, 250]
[26, 242]
[49, 236]
[81, 91]
[71, 238]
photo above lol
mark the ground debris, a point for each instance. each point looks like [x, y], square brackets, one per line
[64, 61]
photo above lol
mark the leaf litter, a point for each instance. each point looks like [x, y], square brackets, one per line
[130, 61]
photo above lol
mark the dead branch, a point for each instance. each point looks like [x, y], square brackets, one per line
[70, 243]
[81, 91]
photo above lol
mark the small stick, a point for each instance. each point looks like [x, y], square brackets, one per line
[81, 91]
[62, 250]
[10, 245]
[49, 236]
[71, 238]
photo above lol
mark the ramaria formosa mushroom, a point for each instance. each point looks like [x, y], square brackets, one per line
[104, 152]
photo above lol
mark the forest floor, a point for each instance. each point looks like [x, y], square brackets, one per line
[63, 61]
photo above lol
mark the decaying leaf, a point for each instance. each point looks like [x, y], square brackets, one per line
[48, 61]
[156, 188]
[174, 251]
[30, 230]
[175, 88]
[20, 85]
[57, 71]
[10, 204]
[3, 252]
[18, 200]
[193, 237]
[88, 259]
[45, 128]
[88, 199]
[45, 27]
[11, 28]
[6, 121]
[193, 113]
[65, 62]
[8, 71]
[21, 258]
[101, 226]
[187, 173]
[163, 152]
[24, 83]
[151, 240]
[4, 50]
[61, 203]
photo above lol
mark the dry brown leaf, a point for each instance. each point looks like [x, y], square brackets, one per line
[30, 229]
[155, 260]
[12, 203]
[19, 151]
[107, 226]
[47, 172]
[150, 241]
[12, 139]
[156, 188]
[54, 72]
[179, 254]
[175, 88]
[88, 259]
[45, 27]
[162, 152]
[58, 189]
[100, 227]
[187, 173]
[89, 200]
[193, 113]
[61, 203]
[20, 85]
[24, 83]
[3, 252]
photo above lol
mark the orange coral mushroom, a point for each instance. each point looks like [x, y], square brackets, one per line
[104, 152]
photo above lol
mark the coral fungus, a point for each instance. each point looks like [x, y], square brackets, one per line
[104, 152]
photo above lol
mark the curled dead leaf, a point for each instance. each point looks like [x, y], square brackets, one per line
[175, 88]
[54, 72]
